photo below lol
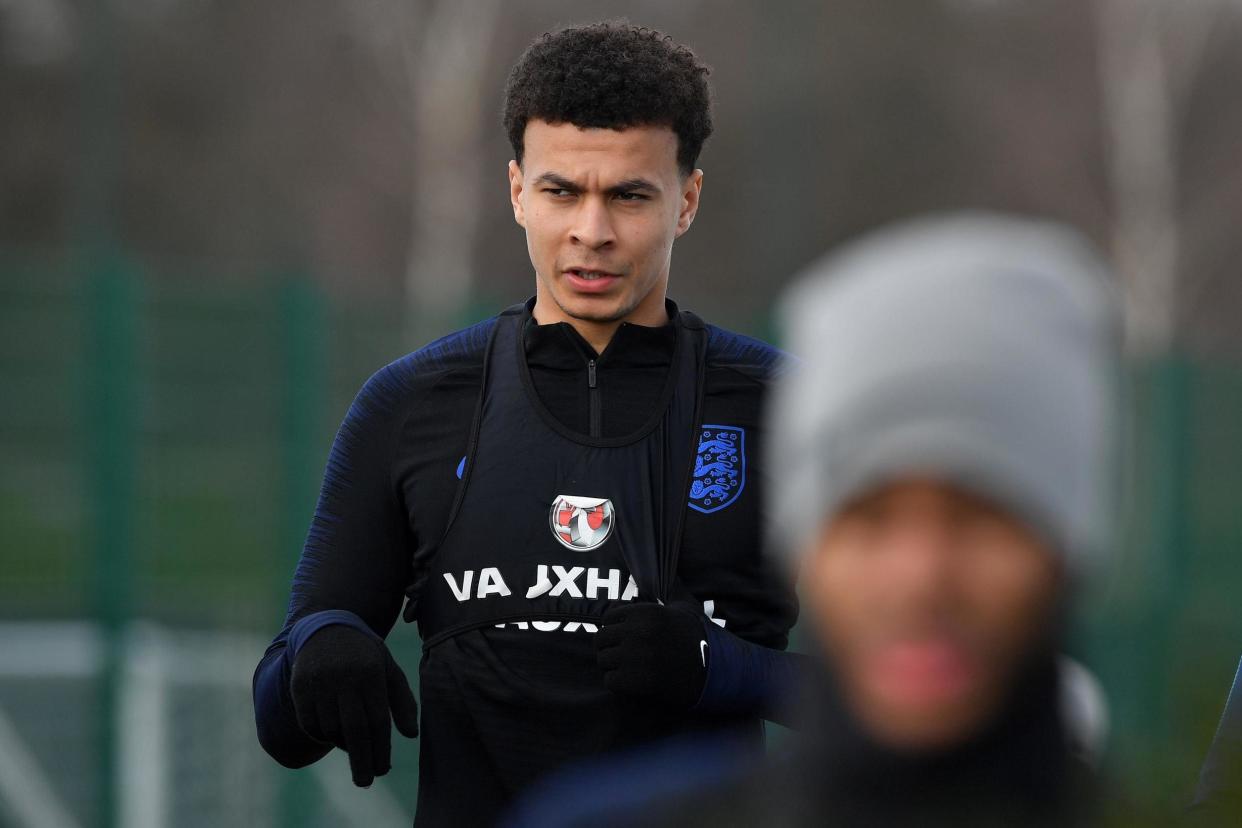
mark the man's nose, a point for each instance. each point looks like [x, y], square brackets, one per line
[921, 564]
[593, 224]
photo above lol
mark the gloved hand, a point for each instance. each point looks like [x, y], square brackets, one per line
[653, 652]
[345, 686]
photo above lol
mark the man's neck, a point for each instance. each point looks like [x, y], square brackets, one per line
[599, 333]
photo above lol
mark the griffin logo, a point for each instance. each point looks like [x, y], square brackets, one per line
[581, 522]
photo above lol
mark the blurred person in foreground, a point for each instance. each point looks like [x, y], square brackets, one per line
[566, 496]
[943, 478]
[948, 457]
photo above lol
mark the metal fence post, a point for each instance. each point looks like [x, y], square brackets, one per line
[1135, 636]
[110, 430]
[302, 326]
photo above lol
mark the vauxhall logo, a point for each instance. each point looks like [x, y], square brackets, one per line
[577, 523]
[580, 523]
[570, 581]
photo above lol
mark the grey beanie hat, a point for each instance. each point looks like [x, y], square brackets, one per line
[975, 348]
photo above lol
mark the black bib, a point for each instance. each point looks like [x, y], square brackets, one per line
[552, 526]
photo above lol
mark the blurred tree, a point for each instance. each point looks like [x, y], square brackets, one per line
[445, 50]
[447, 62]
[1151, 56]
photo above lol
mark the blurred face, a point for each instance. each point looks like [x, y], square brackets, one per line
[601, 208]
[928, 600]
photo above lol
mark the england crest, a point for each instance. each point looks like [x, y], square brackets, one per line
[581, 523]
[719, 468]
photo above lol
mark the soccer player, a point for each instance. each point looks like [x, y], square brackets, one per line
[947, 459]
[963, 404]
[566, 496]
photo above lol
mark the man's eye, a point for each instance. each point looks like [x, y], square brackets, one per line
[631, 197]
[557, 192]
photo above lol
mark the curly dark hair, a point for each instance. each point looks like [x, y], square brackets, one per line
[611, 75]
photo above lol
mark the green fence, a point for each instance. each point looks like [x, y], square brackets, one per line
[163, 434]
[162, 439]
[1167, 631]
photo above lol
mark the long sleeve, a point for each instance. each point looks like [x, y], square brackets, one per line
[750, 679]
[355, 563]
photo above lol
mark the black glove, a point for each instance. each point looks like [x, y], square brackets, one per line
[345, 685]
[653, 652]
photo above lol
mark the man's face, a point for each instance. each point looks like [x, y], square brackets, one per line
[928, 600]
[601, 208]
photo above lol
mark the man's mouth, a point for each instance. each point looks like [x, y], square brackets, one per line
[590, 281]
[918, 673]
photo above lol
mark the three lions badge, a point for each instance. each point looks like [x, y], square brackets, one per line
[719, 468]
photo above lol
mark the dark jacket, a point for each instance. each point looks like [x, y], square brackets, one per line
[513, 703]
[1020, 771]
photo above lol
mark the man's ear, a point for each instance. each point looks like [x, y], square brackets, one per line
[515, 193]
[690, 190]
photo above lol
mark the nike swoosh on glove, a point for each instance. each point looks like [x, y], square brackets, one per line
[653, 652]
[345, 687]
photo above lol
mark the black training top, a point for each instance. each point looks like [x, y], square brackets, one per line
[512, 703]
